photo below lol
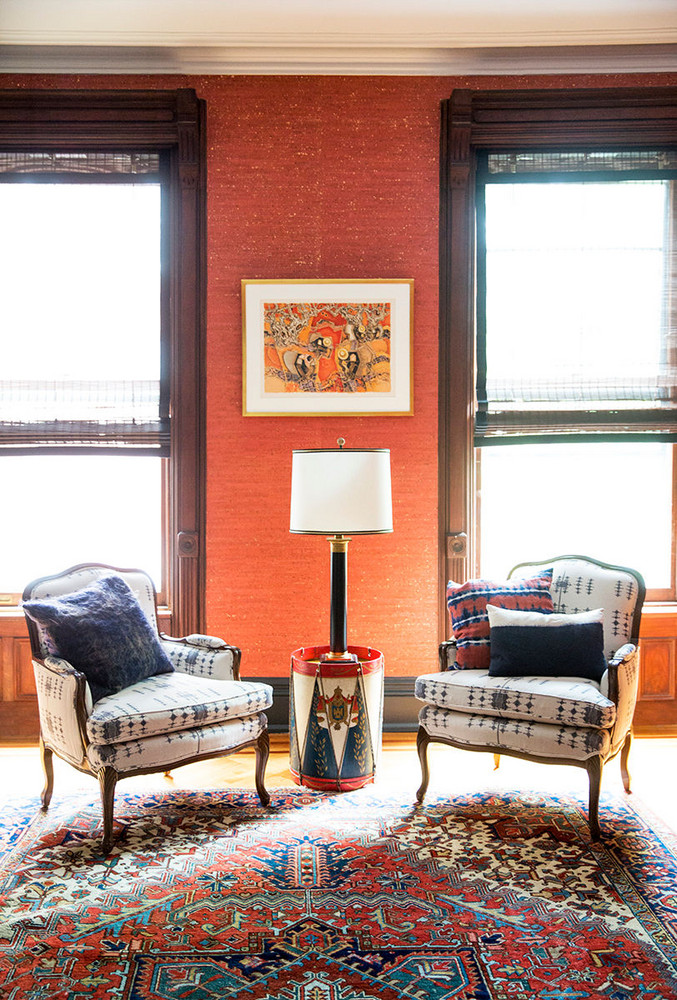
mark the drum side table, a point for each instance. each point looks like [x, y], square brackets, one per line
[335, 718]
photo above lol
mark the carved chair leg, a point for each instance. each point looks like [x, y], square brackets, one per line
[625, 753]
[422, 741]
[262, 753]
[497, 761]
[107, 780]
[48, 768]
[594, 768]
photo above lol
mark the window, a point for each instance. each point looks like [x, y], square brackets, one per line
[559, 292]
[80, 390]
[101, 421]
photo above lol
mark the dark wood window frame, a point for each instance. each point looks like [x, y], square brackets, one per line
[474, 121]
[171, 123]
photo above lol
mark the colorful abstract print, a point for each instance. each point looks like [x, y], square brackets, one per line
[327, 347]
[358, 896]
[467, 603]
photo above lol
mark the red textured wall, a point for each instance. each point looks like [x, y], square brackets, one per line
[320, 177]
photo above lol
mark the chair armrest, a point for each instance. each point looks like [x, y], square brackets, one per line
[64, 702]
[623, 684]
[203, 656]
[447, 654]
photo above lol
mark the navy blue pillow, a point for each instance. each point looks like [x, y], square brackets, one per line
[563, 646]
[103, 632]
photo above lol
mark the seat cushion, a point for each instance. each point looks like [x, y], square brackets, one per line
[467, 603]
[104, 633]
[537, 739]
[568, 701]
[171, 703]
[172, 749]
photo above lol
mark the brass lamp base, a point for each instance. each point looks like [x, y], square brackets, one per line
[344, 657]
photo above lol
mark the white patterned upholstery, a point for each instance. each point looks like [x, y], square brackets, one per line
[568, 719]
[172, 702]
[534, 738]
[579, 585]
[163, 752]
[628, 683]
[194, 655]
[568, 701]
[57, 686]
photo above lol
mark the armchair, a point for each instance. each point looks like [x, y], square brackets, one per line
[188, 705]
[538, 715]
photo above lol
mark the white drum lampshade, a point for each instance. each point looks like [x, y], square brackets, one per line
[341, 491]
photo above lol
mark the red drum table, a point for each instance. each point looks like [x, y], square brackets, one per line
[335, 717]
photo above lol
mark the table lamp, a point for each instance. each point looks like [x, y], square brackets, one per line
[340, 492]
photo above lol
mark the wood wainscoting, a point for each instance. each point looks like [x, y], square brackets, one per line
[18, 704]
[656, 713]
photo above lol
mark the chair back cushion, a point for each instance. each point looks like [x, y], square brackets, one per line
[580, 583]
[467, 603]
[79, 577]
[103, 632]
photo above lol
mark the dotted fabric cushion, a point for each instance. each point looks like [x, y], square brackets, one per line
[467, 603]
[103, 632]
[557, 645]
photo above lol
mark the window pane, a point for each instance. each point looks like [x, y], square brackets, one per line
[80, 301]
[57, 511]
[610, 501]
[573, 272]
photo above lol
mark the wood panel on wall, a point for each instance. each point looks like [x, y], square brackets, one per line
[18, 705]
[656, 712]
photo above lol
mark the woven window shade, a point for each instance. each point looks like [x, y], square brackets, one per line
[82, 415]
[577, 338]
[74, 163]
[604, 161]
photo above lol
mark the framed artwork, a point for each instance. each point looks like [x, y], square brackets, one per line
[321, 348]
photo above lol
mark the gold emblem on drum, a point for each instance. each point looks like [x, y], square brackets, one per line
[337, 711]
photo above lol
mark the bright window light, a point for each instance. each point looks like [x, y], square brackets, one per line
[79, 303]
[66, 509]
[576, 277]
[611, 501]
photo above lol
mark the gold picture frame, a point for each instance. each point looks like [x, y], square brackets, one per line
[321, 348]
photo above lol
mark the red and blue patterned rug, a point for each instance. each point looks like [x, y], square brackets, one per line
[336, 897]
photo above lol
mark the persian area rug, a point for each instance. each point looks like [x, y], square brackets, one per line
[336, 897]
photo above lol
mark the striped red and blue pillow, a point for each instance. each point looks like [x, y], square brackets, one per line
[467, 603]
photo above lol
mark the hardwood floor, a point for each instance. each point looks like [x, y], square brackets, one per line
[653, 763]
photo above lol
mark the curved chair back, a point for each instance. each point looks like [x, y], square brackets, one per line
[77, 578]
[580, 583]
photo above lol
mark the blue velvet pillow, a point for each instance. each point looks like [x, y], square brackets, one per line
[103, 632]
[554, 645]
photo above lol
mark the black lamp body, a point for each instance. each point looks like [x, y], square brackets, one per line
[338, 611]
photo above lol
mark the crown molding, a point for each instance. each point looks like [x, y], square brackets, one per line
[318, 60]
[441, 38]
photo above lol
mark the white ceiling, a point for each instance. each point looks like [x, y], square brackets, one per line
[338, 36]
